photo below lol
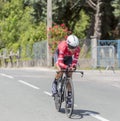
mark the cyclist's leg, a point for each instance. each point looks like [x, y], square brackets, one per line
[54, 84]
[68, 85]
[69, 88]
[68, 61]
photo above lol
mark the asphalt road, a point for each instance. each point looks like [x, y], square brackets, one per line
[25, 95]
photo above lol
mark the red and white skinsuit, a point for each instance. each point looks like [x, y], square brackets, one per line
[64, 51]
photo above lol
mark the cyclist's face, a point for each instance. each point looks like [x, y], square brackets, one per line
[72, 50]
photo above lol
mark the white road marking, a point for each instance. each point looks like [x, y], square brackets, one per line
[88, 113]
[28, 84]
[47, 93]
[97, 116]
[116, 85]
[5, 75]
[35, 87]
[75, 105]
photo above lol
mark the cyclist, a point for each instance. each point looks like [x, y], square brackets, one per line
[66, 57]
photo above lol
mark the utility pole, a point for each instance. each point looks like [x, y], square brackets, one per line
[49, 25]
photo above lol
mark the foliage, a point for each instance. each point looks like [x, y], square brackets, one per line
[81, 26]
[17, 28]
[10, 16]
[23, 22]
[67, 12]
[116, 5]
[39, 9]
[107, 20]
[32, 35]
[57, 33]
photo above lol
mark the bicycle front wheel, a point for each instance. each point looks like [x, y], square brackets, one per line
[69, 108]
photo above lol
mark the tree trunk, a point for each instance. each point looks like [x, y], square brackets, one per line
[95, 28]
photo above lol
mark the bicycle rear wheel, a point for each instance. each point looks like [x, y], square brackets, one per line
[69, 110]
[57, 102]
[58, 97]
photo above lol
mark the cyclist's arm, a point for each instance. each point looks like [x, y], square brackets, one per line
[76, 57]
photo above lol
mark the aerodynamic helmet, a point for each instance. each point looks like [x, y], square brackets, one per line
[72, 41]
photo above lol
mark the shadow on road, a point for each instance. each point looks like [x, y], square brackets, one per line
[79, 114]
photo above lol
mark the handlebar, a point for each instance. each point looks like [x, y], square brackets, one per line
[75, 71]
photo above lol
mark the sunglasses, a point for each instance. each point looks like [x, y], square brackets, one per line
[71, 47]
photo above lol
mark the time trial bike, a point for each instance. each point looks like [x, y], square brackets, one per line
[62, 92]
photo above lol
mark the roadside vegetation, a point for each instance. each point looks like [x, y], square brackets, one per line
[23, 22]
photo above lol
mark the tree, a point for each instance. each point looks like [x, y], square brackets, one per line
[67, 12]
[116, 5]
[116, 12]
[17, 27]
[82, 17]
[101, 22]
[40, 9]
[10, 16]
[103, 14]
